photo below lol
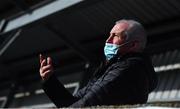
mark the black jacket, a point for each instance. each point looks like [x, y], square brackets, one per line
[124, 80]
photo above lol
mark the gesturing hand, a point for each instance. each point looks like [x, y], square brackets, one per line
[46, 68]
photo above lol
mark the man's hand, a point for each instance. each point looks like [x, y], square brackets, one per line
[46, 68]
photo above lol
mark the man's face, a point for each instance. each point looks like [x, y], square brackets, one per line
[117, 34]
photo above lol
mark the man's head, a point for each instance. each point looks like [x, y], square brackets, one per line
[128, 35]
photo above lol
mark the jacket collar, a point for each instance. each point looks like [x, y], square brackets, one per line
[130, 54]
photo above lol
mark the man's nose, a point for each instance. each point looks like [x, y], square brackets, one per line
[110, 39]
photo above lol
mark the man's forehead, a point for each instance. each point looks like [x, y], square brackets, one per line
[119, 27]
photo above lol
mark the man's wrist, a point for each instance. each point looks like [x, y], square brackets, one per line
[47, 77]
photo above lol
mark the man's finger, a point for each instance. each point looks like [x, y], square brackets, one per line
[43, 63]
[41, 57]
[49, 61]
[46, 74]
[48, 67]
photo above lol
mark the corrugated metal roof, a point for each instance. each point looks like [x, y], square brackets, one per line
[146, 11]
[168, 88]
[101, 16]
[167, 66]
[167, 58]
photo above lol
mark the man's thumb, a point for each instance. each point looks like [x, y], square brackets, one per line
[49, 60]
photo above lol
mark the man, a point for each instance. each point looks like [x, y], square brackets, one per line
[127, 77]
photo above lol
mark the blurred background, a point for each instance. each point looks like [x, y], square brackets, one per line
[73, 33]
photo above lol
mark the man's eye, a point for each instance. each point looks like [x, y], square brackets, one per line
[123, 33]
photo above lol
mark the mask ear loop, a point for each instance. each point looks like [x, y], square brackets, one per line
[122, 45]
[124, 34]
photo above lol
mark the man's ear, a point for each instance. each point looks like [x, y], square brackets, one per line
[135, 45]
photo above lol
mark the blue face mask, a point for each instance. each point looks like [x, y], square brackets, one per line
[110, 50]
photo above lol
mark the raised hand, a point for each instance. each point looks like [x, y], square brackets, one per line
[46, 68]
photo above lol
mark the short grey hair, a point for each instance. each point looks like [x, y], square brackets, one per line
[135, 31]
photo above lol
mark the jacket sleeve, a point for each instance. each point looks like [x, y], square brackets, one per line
[100, 90]
[80, 93]
[57, 92]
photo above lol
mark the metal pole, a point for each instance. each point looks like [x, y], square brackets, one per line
[9, 41]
